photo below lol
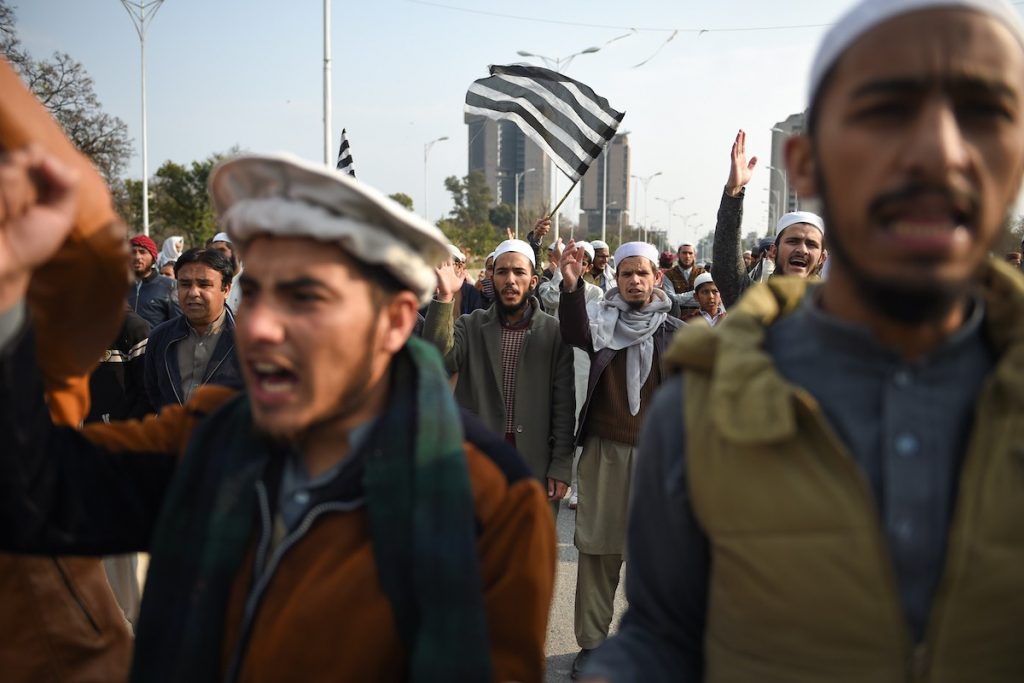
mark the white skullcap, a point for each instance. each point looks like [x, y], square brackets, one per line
[598, 244]
[702, 279]
[648, 251]
[800, 217]
[221, 237]
[587, 247]
[457, 255]
[489, 256]
[517, 246]
[868, 14]
[282, 196]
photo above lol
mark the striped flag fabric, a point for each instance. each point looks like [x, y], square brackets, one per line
[345, 156]
[566, 118]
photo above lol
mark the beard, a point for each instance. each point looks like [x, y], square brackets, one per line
[910, 301]
[507, 310]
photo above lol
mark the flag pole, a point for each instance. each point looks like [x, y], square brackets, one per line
[328, 136]
[562, 200]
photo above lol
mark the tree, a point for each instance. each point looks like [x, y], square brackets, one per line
[67, 91]
[180, 204]
[403, 199]
[502, 216]
[127, 195]
[469, 223]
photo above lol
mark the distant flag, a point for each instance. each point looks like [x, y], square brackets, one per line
[566, 118]
[345, 156]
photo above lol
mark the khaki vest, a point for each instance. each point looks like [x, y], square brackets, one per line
[802, 587]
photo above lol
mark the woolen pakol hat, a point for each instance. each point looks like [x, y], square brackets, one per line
[283, 196]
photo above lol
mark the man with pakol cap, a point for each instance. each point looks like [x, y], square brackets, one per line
[831, 489]
[152, 295]
[626, 335]
[294, 527]
[515, 372]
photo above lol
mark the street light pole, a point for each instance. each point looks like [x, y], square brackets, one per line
[328, 141]
[426, 154]
[785, 190]
[671, 204]
[518, 177]
[142, 13]
[646, 181]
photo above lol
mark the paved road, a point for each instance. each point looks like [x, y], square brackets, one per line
[561, 645]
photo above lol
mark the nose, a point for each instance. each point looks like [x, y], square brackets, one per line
[258, 323]
[936, 145]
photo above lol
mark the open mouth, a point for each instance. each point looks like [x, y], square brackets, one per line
[927, 222]
[272, 379]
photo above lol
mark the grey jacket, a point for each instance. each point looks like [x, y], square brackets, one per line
[545, 402]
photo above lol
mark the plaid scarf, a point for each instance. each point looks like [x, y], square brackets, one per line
[421, 519]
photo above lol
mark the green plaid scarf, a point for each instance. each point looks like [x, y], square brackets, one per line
[421, 520]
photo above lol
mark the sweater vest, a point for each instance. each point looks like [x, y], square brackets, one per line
[801, 586]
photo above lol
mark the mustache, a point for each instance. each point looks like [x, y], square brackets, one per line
[962, 199]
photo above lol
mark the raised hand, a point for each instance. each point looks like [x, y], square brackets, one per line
[740, 170]
[541, 228]
[449, 281]
[38, 200]
[571, 265]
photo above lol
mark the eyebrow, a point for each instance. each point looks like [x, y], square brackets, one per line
[908, 85]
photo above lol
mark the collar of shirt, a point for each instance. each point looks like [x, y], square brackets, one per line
[215, 326]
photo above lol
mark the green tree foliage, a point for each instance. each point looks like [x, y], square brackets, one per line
[469, 223]
[503, 216]
[403, 199]
[68, 92]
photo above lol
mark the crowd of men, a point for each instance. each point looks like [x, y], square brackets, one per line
[345, 453]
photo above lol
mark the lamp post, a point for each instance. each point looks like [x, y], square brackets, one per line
[426, 154]
[645, 181]
[557, 64]
[518, 178]
[686, 221]
[142, 13]
[785, 189]
[671, 203]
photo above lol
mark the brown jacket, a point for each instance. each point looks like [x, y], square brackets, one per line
[58, 616]
[680, 281]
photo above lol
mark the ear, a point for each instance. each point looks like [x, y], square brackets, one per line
[658, 277]
[397, 318]
[534, 280]
[800, 165]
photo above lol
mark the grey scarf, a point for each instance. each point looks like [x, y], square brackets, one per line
[616, 325]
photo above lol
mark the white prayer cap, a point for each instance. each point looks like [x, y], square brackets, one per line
[702, 279]
[587, 247]
[283, 196]
[221, 237]
[800, 217]
[517, 246]
[456, 253]
[598, 244]
[648, 251]
[868, 14]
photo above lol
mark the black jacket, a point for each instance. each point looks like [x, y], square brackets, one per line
[117, 385]
[154, 299]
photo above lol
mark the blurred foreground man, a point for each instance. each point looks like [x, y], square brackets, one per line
[843, 498]
[339, 520]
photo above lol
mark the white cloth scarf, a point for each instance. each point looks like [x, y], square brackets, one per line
[616, 325]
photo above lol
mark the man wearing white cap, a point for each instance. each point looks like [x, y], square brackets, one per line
[515, 372]
[799, 244]
[843, 498]
[600, 273]
[222, 243]
[679, 279]
[467, 298]
[294, 527]
[709, 301]
[626, 335]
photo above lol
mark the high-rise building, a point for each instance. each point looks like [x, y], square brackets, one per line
[782, 196]
[500, 150]
[614, 160]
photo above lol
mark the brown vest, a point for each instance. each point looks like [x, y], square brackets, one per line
[679, 281]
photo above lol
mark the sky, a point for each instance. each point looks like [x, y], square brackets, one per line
[249, 73]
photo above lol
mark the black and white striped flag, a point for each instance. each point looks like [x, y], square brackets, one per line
[566, 118]
[345, 156]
